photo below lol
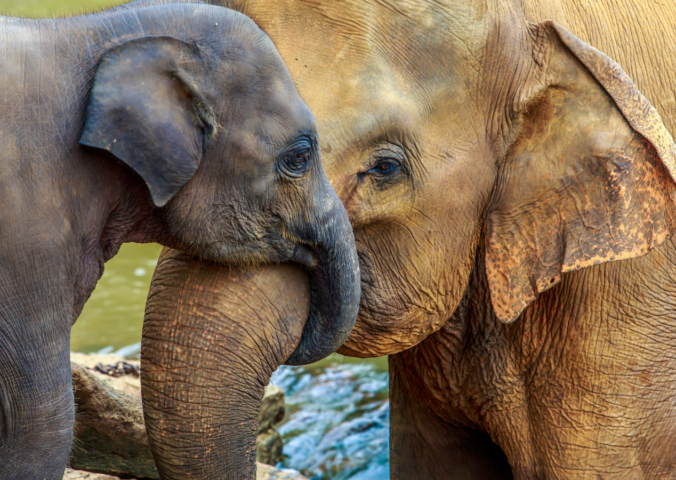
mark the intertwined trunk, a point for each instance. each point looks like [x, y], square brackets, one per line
[212, 337]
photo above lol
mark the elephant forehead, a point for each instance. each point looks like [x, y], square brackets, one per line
[321, 30]
[360, 124]
[415, 43]
[365, 112]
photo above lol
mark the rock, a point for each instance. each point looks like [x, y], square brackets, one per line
[269, 447]
[90, 360]
[269, 442]
[79, 475]
[128, 384]
[266, 472]
[272, 408]
[263, 472]
[110, 436]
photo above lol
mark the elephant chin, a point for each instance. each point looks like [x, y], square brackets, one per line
[212, 337]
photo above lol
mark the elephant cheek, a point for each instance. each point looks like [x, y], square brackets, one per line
[366, 342]
[376, 338]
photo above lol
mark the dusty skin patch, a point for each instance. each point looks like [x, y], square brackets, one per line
[588, 181]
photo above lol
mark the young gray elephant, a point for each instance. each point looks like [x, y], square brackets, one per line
[176, 124]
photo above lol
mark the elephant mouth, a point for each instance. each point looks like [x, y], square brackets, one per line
[303, 256]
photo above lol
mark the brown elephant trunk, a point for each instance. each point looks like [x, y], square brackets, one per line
[212, 337]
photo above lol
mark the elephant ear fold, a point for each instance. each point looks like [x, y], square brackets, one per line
[589, 178]
[145, 109]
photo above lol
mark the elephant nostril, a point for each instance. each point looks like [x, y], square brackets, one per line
[303, 255]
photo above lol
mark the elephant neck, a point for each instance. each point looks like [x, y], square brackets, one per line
[452, 363]
[472, 374]
[112, 206]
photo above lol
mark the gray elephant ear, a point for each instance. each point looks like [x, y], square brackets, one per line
[588, 180]
[145, 109]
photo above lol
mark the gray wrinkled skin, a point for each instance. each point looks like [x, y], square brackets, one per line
[176, 124]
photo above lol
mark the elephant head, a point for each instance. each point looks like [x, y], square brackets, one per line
[230, 155]
[229, 152]
[462, 139]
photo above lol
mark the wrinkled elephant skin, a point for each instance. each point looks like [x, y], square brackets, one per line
[176, 124]
[228, 330]
[494, 166]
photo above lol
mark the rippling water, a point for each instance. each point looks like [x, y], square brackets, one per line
[337, 421]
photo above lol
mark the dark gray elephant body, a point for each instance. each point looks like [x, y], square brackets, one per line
[177, 124]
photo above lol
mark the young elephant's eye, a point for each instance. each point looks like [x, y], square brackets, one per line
[296, 162]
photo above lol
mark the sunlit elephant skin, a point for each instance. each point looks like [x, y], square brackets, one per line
[176, 124]
[480, 159]
[485, 157]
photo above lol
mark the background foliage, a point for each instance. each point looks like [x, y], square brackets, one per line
[53, 8]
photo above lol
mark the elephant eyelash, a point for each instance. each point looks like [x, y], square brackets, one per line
[388, 166]
[385, 166]
[296, 161]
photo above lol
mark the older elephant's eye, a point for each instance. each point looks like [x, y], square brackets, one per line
[385, 167]
[295, 163]
[388, 165]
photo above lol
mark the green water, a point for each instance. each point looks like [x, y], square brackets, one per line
[113, 315]
[53, 8]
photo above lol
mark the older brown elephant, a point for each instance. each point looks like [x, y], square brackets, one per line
[487, 157]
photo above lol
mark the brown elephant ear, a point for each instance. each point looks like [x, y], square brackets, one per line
[144, 109]
[589, 179]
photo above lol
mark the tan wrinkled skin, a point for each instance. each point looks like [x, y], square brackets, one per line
[530, 156]
[228, 329]
[370, 99]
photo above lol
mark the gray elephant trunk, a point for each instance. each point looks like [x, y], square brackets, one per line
[335, 287]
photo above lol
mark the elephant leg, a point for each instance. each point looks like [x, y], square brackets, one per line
[36, 400]
[425, 447]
